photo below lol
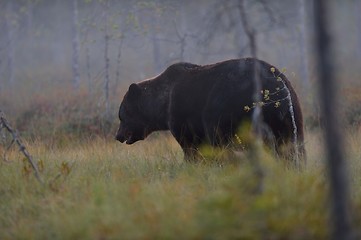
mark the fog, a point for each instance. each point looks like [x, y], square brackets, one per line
[42, 41]
[66, 64]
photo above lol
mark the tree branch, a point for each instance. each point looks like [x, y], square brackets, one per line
[5, 124]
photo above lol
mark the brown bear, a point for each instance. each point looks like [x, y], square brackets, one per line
[207, 104]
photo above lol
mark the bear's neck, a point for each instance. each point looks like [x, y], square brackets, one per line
[155, 104]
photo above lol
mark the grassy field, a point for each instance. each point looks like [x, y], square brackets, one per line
[101, 189]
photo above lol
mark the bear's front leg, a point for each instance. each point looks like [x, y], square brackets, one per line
[188, 142]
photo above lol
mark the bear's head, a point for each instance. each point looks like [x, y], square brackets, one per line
[133, 124]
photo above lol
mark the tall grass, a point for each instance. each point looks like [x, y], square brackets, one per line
[97, 188]
[100, 189]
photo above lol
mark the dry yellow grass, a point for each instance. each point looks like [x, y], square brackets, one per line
[101, 189]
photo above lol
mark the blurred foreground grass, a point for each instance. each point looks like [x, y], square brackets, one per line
[100, 189]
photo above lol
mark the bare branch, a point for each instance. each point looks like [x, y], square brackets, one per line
[4, 123]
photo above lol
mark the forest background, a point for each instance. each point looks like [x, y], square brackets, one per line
[64, 67]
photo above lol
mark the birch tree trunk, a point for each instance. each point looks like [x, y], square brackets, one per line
[257, 113]
[75, 62]
[88, 69]
[10, 41]
[332, 131]
[358, 22]
[156, 47]
[106, 59]
[29, 18]
[119, 59]
[156, 52]
[303, 44]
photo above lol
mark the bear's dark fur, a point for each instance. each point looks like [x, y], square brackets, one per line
[207, 104]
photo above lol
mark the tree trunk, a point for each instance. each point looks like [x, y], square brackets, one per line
[156, 49]
[106, 59]
[257, 113]
[88, 69]
[332, 132]
[10, 42]
[303, 45]
[119, 59]
[358, 22]
[29, 18]
[75, 62]
[251, 34]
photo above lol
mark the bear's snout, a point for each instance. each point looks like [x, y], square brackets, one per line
[125, 136]
[120, 136]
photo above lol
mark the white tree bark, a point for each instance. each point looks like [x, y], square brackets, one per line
[257, 113]
[10, 41]
[75, 43]
[303, 44]
[106, 58]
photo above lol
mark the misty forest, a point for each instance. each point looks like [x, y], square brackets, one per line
[65, 67]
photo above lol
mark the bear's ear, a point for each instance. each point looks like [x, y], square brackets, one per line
[134, 91]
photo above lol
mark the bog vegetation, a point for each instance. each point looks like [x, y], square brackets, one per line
[97, 188]
[64, 66]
